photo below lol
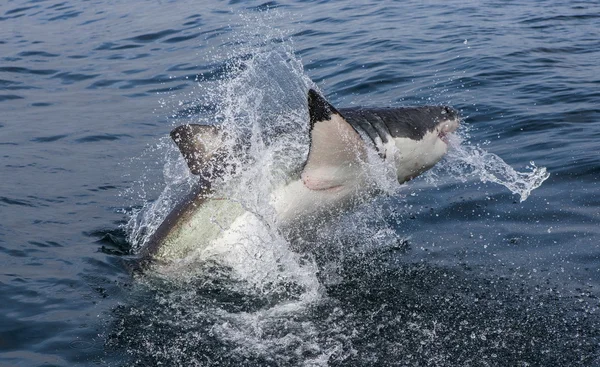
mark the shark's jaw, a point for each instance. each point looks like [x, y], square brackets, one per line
[413, 157]
[446, 128]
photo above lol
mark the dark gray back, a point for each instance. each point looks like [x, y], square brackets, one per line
[401, 122]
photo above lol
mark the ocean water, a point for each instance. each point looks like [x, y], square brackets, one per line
[490, 259]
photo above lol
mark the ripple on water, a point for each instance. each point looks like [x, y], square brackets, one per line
[157, 79]
[182, 38]
[151, 37]
[24, 70]
[64, 16]
[37, 53]
[552, 20]
[48, 139]
[70, 78]
[11, 201]
[98, 138]
[9, 97]
[111, 46]
[45, 244]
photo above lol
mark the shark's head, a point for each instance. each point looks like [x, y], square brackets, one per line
[421, 140]
[414, 139]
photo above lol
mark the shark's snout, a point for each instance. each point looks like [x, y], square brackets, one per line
[449, 122]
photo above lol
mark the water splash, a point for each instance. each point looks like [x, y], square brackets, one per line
[263, 287]
[255, 298]
[465, 161]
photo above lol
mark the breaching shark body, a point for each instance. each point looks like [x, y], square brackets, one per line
[333, 179]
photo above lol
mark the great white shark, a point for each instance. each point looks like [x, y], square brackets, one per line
[332, 180]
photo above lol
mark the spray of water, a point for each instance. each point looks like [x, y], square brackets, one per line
[465, 161]
[260, 100]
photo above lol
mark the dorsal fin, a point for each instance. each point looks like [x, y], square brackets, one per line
[200, 146]
[336, 149]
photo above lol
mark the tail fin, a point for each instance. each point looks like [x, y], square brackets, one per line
[201, 147]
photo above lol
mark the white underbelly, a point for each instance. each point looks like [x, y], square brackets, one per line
[208, 222]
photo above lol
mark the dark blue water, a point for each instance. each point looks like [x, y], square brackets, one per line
[457, 272]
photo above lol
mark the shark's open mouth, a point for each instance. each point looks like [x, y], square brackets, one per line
[447, 129]
[443, 135]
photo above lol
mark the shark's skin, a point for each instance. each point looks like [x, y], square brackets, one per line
[412, 139]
